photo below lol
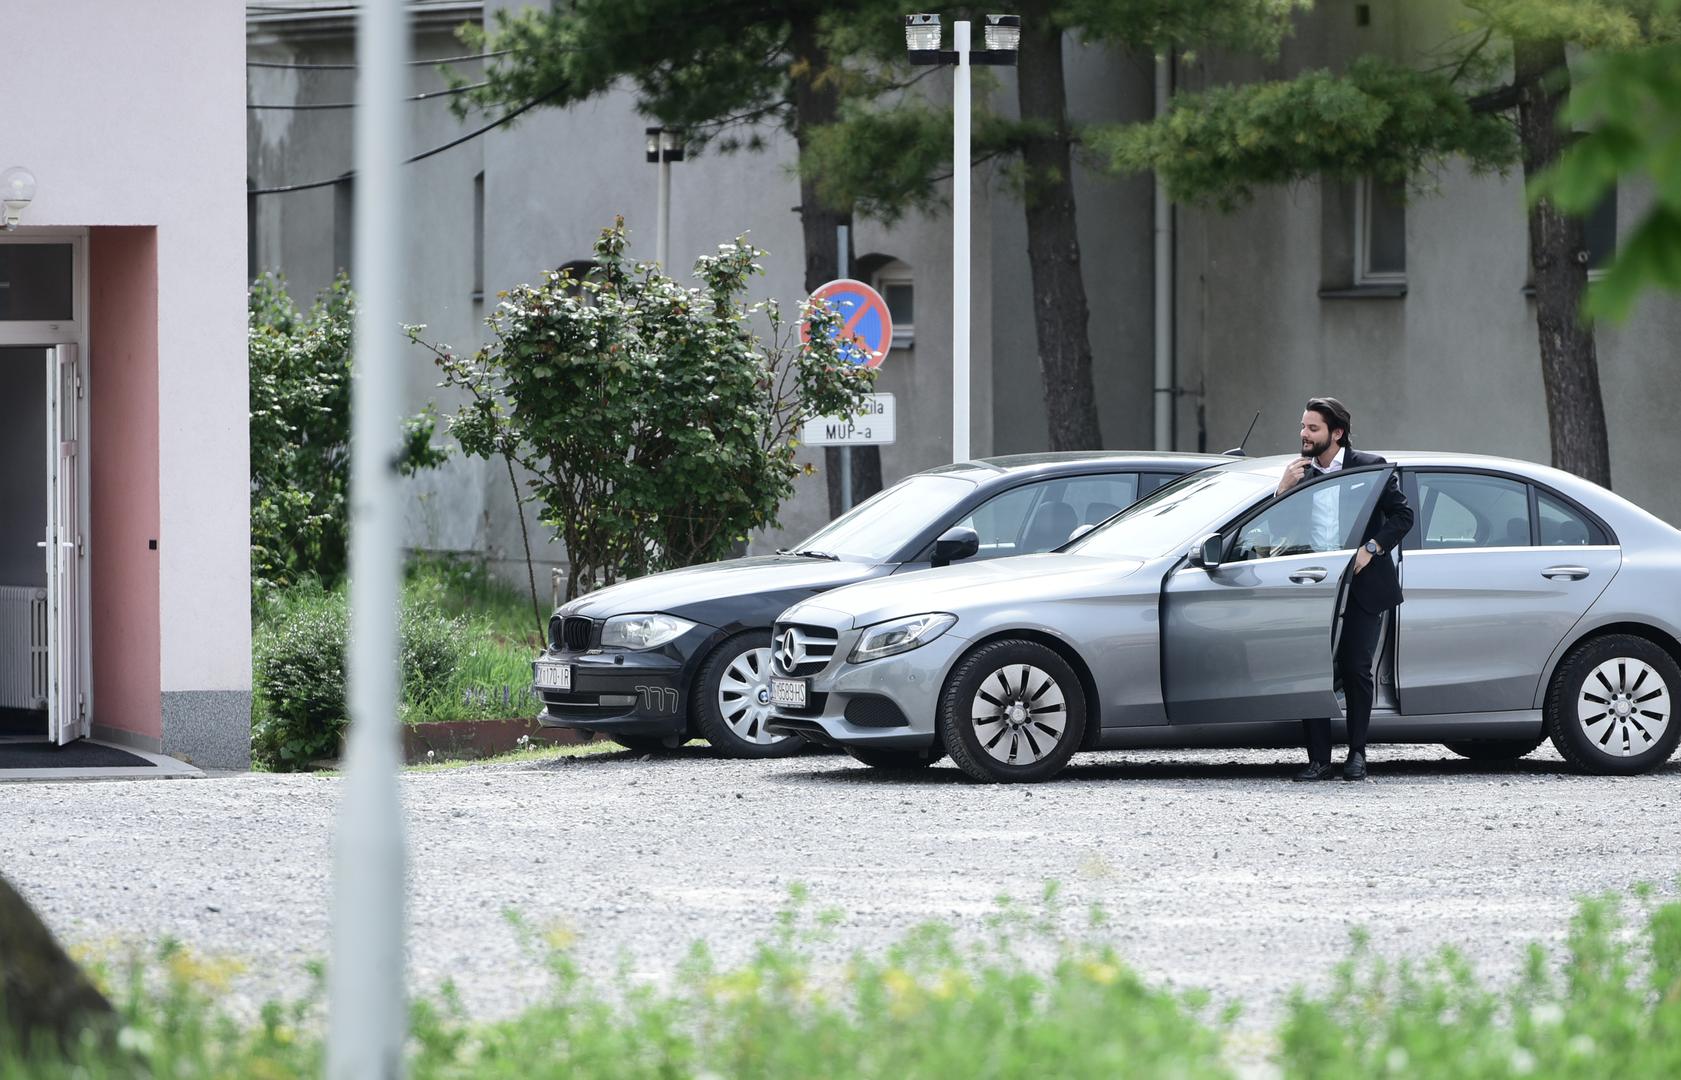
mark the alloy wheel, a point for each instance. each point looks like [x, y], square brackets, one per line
[1624, 706]
[1019, 714]
[744, 698]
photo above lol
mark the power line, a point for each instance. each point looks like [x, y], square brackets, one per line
[352, 67]
[422, 156]
[351, 104]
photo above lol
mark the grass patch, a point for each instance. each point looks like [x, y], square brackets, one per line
[536, 752]
[1027, 1001]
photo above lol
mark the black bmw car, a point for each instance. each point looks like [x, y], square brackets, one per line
[658, 660]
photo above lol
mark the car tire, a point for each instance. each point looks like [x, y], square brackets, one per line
[1495, 749]
[731, 702]
[1636, 682]
[1034, 711]
[897, 761]
[649, 744]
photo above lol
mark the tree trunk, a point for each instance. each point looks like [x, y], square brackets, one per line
[1558, 260]
[1053, 243]
[817, 102]
[45, 999]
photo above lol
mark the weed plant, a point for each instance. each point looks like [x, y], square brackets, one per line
[1026, 1002]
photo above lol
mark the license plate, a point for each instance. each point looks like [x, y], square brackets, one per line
[554, 676]
[788, 692]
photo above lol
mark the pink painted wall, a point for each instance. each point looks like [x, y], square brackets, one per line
[123, 462]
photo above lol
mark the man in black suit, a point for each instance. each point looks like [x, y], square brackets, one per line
[1376, 588]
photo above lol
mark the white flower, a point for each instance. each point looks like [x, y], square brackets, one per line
[430, 754]
[1582, 1045]
[1523, 1062]
[135, 1041]
[1547, 1015]
[1396, 1060]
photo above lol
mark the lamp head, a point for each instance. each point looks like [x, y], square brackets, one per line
[1003, 33]
[17, 190]
[922, 33]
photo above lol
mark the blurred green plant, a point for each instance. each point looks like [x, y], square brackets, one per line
[654, 423]
[300, 372]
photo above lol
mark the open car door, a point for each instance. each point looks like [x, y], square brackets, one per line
[1253, 638]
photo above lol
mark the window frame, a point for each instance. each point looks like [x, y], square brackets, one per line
[1364, 275]
[1230, 532]
[53, 331]
[897, 272]
[1600, 534]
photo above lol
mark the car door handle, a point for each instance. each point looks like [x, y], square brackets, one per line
[1308, 574]
[1571, 573]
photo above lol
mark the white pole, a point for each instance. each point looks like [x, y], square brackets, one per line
[366, 1006]
[843, 244]
[1166, 377]
[662, 221]
[960, 250]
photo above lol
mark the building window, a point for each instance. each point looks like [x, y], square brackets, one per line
[344, 225]
[1380, 233]
[478, 239]
[1600, 234]
[894, 281]
[253, 264]
[576, 273]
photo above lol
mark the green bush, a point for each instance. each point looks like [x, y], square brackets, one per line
[299, 671]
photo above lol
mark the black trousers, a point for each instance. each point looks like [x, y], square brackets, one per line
[1360, 631]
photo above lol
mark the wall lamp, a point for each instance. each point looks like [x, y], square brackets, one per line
[17, 190]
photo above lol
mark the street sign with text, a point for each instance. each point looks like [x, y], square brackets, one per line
[871, 426]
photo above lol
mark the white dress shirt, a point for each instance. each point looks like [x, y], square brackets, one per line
[1327, 507]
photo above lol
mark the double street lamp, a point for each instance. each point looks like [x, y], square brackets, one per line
[1002, 40]
[665, 145]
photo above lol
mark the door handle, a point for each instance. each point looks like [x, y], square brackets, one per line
[1308, 574]
[1569, 573]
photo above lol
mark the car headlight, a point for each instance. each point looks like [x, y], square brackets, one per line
[900, 635]
[642, 631]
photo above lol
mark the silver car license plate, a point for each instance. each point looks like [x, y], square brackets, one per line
[790, 693]
[554, 676]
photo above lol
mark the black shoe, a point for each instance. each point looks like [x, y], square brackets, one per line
[1355, 767]
[1316, 770]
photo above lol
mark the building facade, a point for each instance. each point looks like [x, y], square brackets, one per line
[1413, 312]
[122, 354]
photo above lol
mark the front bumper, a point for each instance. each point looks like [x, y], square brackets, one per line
[845, 698]
[628, 693]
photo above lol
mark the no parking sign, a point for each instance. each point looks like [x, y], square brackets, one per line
[866, 326]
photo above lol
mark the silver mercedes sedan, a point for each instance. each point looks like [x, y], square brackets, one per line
[1538, 606]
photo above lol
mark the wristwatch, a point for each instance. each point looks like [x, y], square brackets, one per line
[1371, 546]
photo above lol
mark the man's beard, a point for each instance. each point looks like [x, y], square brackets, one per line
[1314, 450]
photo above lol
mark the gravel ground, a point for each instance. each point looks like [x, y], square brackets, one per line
[1218, 872]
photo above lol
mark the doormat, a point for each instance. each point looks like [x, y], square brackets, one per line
[76, 755]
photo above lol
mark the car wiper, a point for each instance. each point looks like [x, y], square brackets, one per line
[829, 555]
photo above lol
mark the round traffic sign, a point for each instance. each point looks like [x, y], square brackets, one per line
[866, 326]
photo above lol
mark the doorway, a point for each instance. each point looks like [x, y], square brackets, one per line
[24, 660]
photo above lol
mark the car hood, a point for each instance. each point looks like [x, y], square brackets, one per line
[1022, 579]
[696, 592]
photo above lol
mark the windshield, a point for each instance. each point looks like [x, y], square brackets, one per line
[1174, 516]
[881, 524]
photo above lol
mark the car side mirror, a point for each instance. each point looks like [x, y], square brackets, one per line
[958, 542]
[1208, 551]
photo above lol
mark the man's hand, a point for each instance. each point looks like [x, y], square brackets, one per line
[1361, 558]
[1293, 474]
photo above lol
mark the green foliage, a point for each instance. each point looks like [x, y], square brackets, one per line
[655, 423]
[1629, 103]
[300, 371]
[1379, 118]
[298, 675]
[1615, 1012]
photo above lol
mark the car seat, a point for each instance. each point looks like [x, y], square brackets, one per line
[1517, 533]
[1099, 511]
[1050, 527]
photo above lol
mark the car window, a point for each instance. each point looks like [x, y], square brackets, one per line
[1319, 517]
[1470, 510]
[1040, 516]
[1562, 525]
[1174, 515]
[887, 520]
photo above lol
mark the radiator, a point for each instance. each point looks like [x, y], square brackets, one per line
[23, 647]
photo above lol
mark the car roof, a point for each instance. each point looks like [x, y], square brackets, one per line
[981, 470]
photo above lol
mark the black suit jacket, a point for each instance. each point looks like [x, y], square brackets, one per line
[1378, 587]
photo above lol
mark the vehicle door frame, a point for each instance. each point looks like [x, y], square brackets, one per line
[1229, 533]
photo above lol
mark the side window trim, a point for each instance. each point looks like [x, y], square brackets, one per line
[1234, 528]
[1599, 532]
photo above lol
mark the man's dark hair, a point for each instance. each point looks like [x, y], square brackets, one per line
[1335, 414]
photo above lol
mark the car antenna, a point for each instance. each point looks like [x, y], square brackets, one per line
[1237, 451]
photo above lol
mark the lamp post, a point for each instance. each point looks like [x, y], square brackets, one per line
[922, 39]
[665, 145]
